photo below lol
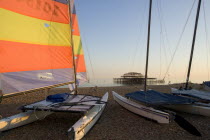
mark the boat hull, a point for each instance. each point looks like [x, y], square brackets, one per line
[199, 95]
[142, 110]
[206, 87]
[85, 123]
[196, 108]
[22, 119]
[202, 109]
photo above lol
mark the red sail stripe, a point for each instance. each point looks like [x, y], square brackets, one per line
[27, 57]
[42, 9]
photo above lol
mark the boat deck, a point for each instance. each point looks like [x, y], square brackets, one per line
[74, 103]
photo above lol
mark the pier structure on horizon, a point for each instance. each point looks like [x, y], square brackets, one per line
[135, 78]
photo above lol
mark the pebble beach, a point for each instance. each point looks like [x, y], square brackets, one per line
[115, 123]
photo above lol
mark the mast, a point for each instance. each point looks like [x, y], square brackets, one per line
[148, 41]
[193, 43]
[72, 44]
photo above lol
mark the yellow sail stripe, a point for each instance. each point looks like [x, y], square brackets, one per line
[77, 45]
[20, 28]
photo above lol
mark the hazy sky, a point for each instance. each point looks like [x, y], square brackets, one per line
[114, 32]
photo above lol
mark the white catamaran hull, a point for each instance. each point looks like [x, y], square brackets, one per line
[148, 112]
[84, 124]
[22, 119]
[196, 108]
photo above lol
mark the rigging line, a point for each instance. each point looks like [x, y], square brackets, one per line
[165, 34]
[87, 50]
[164, 45]
[160, 35]
[164, 27]
[206, 39]
[179, 39]
[162, 42]
[88, 54]
[138, 40]
[160, 56]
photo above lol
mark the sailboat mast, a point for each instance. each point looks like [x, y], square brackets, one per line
[148, 43]
[72, 45]
[193, 43]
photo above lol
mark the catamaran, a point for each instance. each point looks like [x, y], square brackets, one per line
[40, 48]
[202, 104]
[152, 104]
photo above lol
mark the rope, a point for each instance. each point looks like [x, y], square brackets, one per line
[48, 111]
[88, 53]
[163, 38]
[137, 42]
[206, 39]
[179, 39]
[161, 34]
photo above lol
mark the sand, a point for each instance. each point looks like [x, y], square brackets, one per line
[115, 123]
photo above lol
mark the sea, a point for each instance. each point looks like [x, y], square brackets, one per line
[108, 83]
[103, 83]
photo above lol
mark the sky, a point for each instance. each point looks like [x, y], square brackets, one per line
[114, 36]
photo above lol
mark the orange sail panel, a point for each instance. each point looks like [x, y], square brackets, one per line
[35, 44]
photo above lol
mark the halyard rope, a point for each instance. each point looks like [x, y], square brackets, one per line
[48, 111]
[179, 40]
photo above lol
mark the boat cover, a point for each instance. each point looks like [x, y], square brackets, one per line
[157, 98]
[60, 97]
[192, 93]
[207, 83]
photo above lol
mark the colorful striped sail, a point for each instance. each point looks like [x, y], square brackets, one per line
[78, 50]
[35, 45]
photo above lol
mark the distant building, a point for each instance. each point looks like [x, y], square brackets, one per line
[132, 75]
[133, 78]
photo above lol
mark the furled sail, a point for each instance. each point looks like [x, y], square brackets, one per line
[78, 50]
[35, 45]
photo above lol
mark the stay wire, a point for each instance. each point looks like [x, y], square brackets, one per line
[179, 39]
[138, 40]
[206, 32]
[161, 34]
[88, 53]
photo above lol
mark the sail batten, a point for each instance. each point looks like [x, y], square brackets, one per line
[35, 45]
